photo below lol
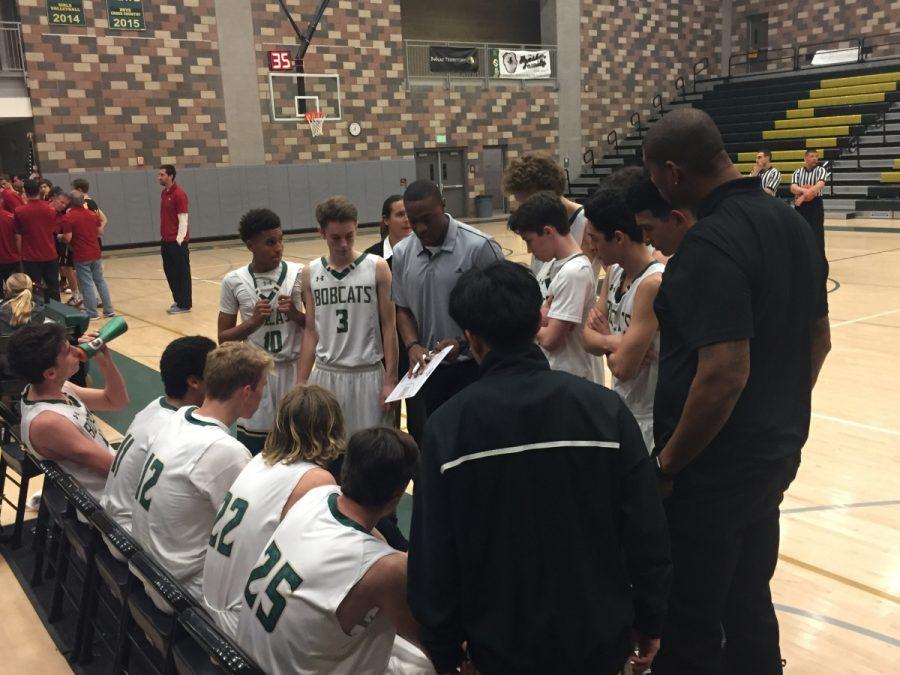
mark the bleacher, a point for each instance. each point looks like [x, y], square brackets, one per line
[851, 115]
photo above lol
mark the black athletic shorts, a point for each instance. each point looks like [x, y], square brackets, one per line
[64, 253]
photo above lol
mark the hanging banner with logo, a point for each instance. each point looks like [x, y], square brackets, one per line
[521, 65]
[453, 59]
[125, 14]
[65, 12]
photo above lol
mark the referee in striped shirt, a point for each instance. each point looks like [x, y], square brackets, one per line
[806, 186]
[769, 176]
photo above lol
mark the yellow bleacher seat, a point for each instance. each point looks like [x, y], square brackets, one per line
[777, 155]
[818, 121]
[800, 113]
[853, 91]
[890, 177]
[896, 163]
[773, 134]
[841, 100]
[783, 167]
[860, 79]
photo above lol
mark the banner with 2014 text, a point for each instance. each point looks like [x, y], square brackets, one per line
[517, 64]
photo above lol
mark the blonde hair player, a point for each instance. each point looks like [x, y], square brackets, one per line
[352, 323]
[307, 437]
[267, 295]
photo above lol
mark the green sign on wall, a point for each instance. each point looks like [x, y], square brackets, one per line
[125, 14]
[65, 12]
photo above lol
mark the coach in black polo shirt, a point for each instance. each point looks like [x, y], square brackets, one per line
[425, 269]
[743, 320]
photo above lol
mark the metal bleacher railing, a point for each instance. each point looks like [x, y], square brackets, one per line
[12, 58]
[418, 63]
[802, 56]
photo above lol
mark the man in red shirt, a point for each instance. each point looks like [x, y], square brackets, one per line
[173, 227]
[10, 199]
[81, 227]
[36, 223]
[10, 260]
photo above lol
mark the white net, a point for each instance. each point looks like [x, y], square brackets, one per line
[316, 121]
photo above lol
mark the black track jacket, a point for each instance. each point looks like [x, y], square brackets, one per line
[538, 535]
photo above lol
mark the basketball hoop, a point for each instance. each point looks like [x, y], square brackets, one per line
[316, 121]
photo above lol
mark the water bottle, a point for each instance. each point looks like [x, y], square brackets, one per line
[110, 331]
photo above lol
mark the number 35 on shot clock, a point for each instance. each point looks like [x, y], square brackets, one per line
[280, 60]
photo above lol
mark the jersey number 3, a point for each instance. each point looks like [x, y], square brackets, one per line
[217, 539]
[272, 580]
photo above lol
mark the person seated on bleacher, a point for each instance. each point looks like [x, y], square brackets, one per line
[57, 419]
[181, 367]
[307, 437]
[19, 307]
[193, 461]
[326, 594]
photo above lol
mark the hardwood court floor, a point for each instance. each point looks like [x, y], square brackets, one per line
[837, 586]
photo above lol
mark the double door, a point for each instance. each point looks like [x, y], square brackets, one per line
[447, 168]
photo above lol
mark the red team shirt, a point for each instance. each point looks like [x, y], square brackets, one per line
[8, 252]
[174, 201]
[85, 228]
[36, 222]
[11, 200]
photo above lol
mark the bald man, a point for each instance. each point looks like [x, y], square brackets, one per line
[739, 356]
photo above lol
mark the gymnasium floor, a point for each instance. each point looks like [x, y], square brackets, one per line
[837, 586]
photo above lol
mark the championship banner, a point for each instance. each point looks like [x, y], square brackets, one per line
[65, 12]
[521, 65]
[125, 14]
[453, 59]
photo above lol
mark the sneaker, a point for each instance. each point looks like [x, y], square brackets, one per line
[178, 310]
[74, 300]
[34, 501]
[174, 305]
[95, 317]
[109, 315]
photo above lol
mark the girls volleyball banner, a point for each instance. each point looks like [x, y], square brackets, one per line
[517, 64]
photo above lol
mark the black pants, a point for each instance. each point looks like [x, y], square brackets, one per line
[46, 271]
[814, 213]
[442, 385]
[176, 261]
[7, 270]
[724, 551]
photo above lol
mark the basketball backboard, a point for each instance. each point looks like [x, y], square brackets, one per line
[291, 95]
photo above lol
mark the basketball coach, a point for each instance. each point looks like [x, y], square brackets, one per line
[743, 319]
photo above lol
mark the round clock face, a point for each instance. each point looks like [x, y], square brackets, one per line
[355, 129]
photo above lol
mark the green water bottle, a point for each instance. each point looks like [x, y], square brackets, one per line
[110, 331]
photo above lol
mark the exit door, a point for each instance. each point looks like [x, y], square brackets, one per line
[758, 41]
[447, 169]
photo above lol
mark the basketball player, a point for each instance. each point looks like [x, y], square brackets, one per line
[664, 227]
[181, 367]
[352, 324]
[193, 461]
[57, 422]
[769, 176]
[566, 280]
[267, 295]
[326, 595]
[307, 437]
[623, 326]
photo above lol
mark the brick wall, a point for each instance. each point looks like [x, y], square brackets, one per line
[103, 98]
[632, 51]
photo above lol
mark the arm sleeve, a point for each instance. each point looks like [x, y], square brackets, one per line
[181, 202]
[433, 578]
[795, 177]
[710, 296]
[398, 294]
[216, 470]
[228, 302]
[570, 288]
[645, 535]
[297, 290]
[488, 254]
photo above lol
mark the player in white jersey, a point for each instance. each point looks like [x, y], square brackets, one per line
[351, 322]
[308, 435]
[193, 461]
[566, 280]
[267, 295]
[181, 367]
[57, 422]
[623, 326]
[326, 596]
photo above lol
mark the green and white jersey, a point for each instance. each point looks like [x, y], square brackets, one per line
[247, 518]
[190, 467]
[72, 408]
[289, 621]
[347, 319]
[242, 289]
[122, 481]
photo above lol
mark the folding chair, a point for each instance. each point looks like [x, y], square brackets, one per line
[51, 511]
[207, 651]
[14, 459]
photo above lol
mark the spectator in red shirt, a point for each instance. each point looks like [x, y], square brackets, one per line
[10, 199]
[81, 228]
[36, 223]
[173, 226]
[10, 260]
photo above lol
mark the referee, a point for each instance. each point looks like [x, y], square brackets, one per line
[769, 176]
[806, 186]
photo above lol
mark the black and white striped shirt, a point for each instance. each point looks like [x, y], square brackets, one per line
[804, 177]
[770, 179]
